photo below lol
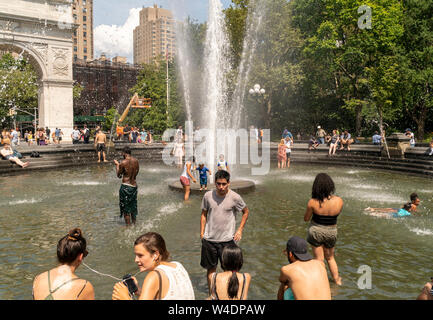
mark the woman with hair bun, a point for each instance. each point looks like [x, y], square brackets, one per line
[323, 211]
[61, 283]
[230, 285]
[166, 280]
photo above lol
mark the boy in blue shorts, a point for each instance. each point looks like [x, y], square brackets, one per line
[203, 176]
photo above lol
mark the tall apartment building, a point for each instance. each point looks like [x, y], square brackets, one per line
[155, 36]
[82, 11]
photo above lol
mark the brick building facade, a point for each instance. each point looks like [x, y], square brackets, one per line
[105, 84]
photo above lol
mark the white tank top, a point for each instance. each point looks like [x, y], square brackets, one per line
[222, 165]
[185, 170]
[180, 287]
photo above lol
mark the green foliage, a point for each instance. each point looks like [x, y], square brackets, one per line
[77, 90]
[236, 18]
[152, 84]
[18, 85]
[110, 118]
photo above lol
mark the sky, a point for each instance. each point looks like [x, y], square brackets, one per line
[114, 21]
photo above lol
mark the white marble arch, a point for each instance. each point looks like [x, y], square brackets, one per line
[41, 30]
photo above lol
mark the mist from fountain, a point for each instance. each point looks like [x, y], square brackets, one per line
[256, 15]
[218, 109]
[184, 65]
[217, 66]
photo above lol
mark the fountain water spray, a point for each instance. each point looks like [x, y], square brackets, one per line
[217, 66]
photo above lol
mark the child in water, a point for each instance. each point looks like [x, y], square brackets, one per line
[392, 213]
[203, 176]
[222, 164]
[404, 212]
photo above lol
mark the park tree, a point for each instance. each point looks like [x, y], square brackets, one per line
[236, 21]
[275, 65]
[152, 84]
[18, 85]
[416, 64]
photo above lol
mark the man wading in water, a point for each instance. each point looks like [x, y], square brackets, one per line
[128, 171]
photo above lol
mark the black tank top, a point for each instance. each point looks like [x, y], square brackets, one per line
[325, 220]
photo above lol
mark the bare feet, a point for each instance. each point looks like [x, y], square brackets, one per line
[25, 165]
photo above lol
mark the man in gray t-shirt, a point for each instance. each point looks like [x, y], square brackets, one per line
[218, 222]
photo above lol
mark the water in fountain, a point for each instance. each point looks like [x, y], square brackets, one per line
[217, 66]
[183, 55]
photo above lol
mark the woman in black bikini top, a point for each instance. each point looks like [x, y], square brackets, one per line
[230, 284]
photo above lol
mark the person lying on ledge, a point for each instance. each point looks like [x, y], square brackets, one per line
[8, 154]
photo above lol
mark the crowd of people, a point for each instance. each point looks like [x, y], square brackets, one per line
[303, 278]
[134, 135]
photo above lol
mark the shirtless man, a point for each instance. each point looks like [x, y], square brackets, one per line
[100, 141]
[8, 154]
[128, 171]
[304, 278]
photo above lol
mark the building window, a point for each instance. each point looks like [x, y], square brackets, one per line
[85, 57]
[84, 26]
[85, 50]
[84, 34]
[75, 49]
[84, 18]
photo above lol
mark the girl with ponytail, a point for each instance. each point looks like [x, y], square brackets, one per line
[230, 285]
[61, 283]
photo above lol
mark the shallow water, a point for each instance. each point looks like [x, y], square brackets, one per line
[37, 209]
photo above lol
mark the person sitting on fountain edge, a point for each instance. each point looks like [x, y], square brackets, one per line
[8, 154]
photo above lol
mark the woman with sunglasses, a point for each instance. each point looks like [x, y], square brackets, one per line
[61, 283]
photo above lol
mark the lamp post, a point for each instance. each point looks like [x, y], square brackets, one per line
[257, 91]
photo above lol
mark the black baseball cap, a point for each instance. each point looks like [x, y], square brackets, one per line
[298, 247]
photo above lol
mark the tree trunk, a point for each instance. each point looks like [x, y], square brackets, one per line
[420, 121]
[382, 133]
[268, 113]
[358, 111]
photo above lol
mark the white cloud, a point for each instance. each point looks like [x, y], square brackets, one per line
[117, 40]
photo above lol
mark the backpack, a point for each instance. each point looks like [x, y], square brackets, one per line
[17, 154]
[35, 155]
